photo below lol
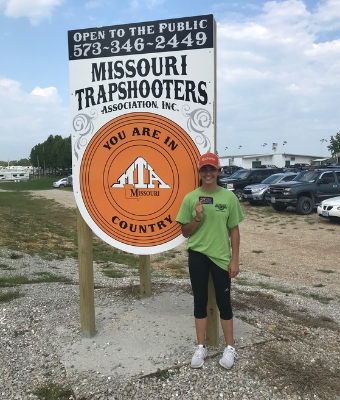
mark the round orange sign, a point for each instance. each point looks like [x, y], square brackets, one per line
[132, 181]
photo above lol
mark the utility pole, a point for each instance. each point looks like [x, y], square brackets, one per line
[38, 166]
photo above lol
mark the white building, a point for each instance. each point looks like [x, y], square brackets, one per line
[256, 160]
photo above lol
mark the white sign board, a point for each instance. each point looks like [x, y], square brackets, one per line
[142, 106]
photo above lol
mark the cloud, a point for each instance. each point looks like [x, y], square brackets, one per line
[327, 12]
[324, 49]
[93, 4]
[276, 77]
[153, 3]
[47, 93]
[285, 10]
[35, 10]
[136, 5]
[27, 119]
[249, 32]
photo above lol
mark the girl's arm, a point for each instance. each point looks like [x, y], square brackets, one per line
[189, 228]
[234, 268]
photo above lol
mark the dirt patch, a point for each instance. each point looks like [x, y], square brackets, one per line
[295, 248]
[64, 197]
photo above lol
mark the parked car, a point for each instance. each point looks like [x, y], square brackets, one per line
[63, 182]
[256, 193]
[306, 191]
[243, 177]
[330, 208]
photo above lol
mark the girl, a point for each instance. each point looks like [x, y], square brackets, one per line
[209, 217]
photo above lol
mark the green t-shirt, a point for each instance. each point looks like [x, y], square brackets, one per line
[212, 234]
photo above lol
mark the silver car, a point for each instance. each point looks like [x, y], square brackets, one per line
[63, 182]
[255, 194]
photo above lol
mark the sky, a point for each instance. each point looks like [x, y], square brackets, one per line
[278, 69]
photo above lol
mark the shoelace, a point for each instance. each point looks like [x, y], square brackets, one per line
[199, 352]
[227, 352]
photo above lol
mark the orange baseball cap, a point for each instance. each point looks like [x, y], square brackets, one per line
[209, 159]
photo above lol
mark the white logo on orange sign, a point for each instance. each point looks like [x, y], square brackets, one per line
[134, 175]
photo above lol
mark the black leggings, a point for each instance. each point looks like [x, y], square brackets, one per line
[199, 267]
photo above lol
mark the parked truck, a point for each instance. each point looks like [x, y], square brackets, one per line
[306, 192]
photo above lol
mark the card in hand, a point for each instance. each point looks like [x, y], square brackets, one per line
[206, 200]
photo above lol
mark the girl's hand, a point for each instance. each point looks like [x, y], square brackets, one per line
[199, 210]
[233, 269]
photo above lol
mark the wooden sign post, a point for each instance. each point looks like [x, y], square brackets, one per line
[145, 276]
[86, 283]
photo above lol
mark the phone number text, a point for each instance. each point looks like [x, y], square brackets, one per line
[139, 45]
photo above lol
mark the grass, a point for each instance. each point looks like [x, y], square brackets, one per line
[317, 297]
[326, 271]
[167, 255]
[53, 391]
[44, 277]
[161, 375]
[20, 333]
[32, 184]
[43, 227]
[243, 282]
[175, 266]
[282, 289]
[13, 281]
[112, 273]
[177, 269]
[257, 251]
[9, 296]
[15, 256]
[6, 267]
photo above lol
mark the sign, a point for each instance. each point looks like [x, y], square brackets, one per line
[142, 107]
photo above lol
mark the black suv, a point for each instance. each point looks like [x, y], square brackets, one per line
[243, 177]
[300, 166]
[307, 190]
[230, 169]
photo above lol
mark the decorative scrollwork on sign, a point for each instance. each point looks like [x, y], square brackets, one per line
[198, 121]
[83, 125]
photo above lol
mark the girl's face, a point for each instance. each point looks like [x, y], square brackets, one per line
[208, 174]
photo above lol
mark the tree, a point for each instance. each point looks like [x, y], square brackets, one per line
[54, 153]
[23, 162]
[334, 145]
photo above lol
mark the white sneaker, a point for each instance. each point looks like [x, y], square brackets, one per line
[229, 355]
[198, 358]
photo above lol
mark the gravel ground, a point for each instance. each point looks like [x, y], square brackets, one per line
[288, 288]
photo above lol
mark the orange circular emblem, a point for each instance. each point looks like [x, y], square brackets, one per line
[133, 176]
